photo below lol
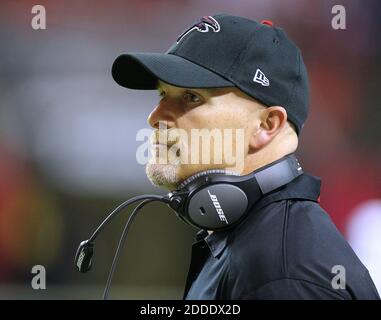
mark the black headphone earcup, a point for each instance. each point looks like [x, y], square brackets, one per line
[216, 207]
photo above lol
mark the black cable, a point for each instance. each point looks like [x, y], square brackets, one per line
[121, 244]
[121, 207]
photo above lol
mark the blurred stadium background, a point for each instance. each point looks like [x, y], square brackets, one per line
[67, 137]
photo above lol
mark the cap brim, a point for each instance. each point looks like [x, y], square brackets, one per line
[142, 71]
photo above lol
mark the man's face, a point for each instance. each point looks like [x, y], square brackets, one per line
[198, 130]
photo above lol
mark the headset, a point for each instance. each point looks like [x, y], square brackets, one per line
[212, 200]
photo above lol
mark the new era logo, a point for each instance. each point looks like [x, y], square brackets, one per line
[261, 78]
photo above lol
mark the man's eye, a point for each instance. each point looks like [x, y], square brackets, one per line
[161, 94]
[190, 97]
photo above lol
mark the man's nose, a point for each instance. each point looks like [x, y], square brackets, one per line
[162, 112]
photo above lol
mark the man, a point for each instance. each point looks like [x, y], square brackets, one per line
[227, 72]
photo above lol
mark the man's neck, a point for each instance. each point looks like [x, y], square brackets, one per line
[259, 160]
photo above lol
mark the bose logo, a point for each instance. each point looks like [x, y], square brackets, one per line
[217, 205]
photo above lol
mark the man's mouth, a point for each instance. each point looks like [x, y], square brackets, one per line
[158, 148]
[161, 145]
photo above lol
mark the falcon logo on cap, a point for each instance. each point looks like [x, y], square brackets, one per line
[203, 25]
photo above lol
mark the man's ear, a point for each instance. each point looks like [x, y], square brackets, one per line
[271, 122]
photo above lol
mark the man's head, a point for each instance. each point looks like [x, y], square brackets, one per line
[215, 114]
[240, 83]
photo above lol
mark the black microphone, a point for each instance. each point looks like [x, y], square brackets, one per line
[84, 254]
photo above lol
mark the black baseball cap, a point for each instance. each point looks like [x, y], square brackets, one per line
[226, 51]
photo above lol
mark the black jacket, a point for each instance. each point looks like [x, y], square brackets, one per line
[287, 247]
